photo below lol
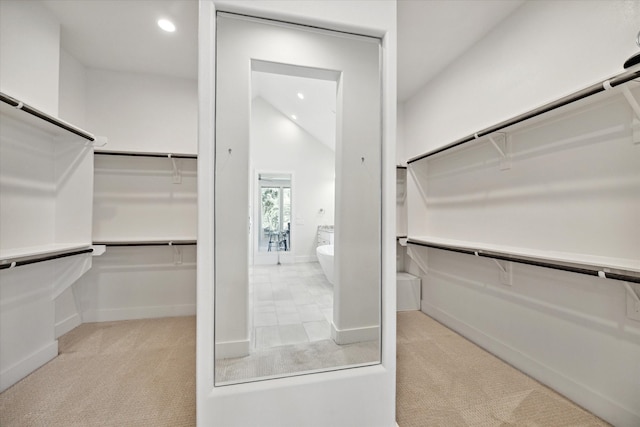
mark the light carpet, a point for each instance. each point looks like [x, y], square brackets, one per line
[142, 373]
[129, 373]
[445, 380]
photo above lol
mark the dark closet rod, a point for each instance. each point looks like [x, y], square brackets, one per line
[132, 154]
[163, 243]
[576, 96]
[44, 258]
[551, 265]
[44, 116]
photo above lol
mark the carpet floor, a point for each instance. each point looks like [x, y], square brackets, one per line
[129, 373]
[142, 373]
[445, 380]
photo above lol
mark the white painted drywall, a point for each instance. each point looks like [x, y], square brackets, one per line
[29, 54]
[135, 198]
[138, 283]
[73, 90]
[280, 145]
[142, 112]
[545, 50]
[312, 399]
[573, 186]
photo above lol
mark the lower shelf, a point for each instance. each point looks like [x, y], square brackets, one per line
[625, 269]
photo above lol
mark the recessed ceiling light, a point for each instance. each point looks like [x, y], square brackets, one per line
[166, 25]
[300, 95]
[294, 117]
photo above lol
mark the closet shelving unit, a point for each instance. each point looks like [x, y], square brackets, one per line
[47, 178]
[145, 210]
[498, 137]
[46, 196]
[148, 167]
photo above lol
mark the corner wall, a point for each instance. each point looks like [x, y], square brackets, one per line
[568, 331]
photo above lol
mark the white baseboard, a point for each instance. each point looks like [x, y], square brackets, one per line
[131, 313]
[67, 324]
[350, 336]
[589, 399]
[230, 349]
[18, 371]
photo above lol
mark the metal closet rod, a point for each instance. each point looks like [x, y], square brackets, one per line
[576, 96]
[132, 154]
[19, 105]
[44, 258]
[164, 243]
[546, 264]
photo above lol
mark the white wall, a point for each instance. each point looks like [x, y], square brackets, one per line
[311, 399]
[136, 199]
[142, 112]
[138, 283]
[570, 188]
[29, 54]
[279, 145]
[73, 88]
[535, 56]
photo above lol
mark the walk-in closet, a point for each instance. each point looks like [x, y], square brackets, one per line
[367, 213]
[98, 185]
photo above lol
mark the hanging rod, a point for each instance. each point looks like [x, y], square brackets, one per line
[545, 264]
[44, 258]
[143, 154]
[576, 96]
[149, 243]
[19, 105]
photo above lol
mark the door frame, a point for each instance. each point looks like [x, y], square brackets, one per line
[269, 258]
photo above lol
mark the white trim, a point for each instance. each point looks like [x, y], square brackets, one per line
[229, 349]
[306, 258]
[354, 335]
[130, 313]
[64, 326]
[27, 365]
[582, 395]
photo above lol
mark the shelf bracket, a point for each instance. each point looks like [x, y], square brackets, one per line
[506, 276]
[633, 302]
[503, 147]
[177, 176]
[177, 254]
[635, 123]
[413, 255]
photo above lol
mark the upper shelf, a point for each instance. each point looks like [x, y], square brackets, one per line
[147, 154]
[34, 117]
[602, 86]
[44, 252]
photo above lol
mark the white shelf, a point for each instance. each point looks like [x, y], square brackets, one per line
[145, 242]
[154, 154]
[11, 255]
[35, 118]
[594, 261]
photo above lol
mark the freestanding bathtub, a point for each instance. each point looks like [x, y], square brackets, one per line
[325, 257]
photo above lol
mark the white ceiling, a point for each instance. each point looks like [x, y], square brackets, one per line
[123, 36]
[433, 33]
[316, 113]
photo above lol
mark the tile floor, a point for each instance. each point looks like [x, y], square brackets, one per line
[290, 304]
